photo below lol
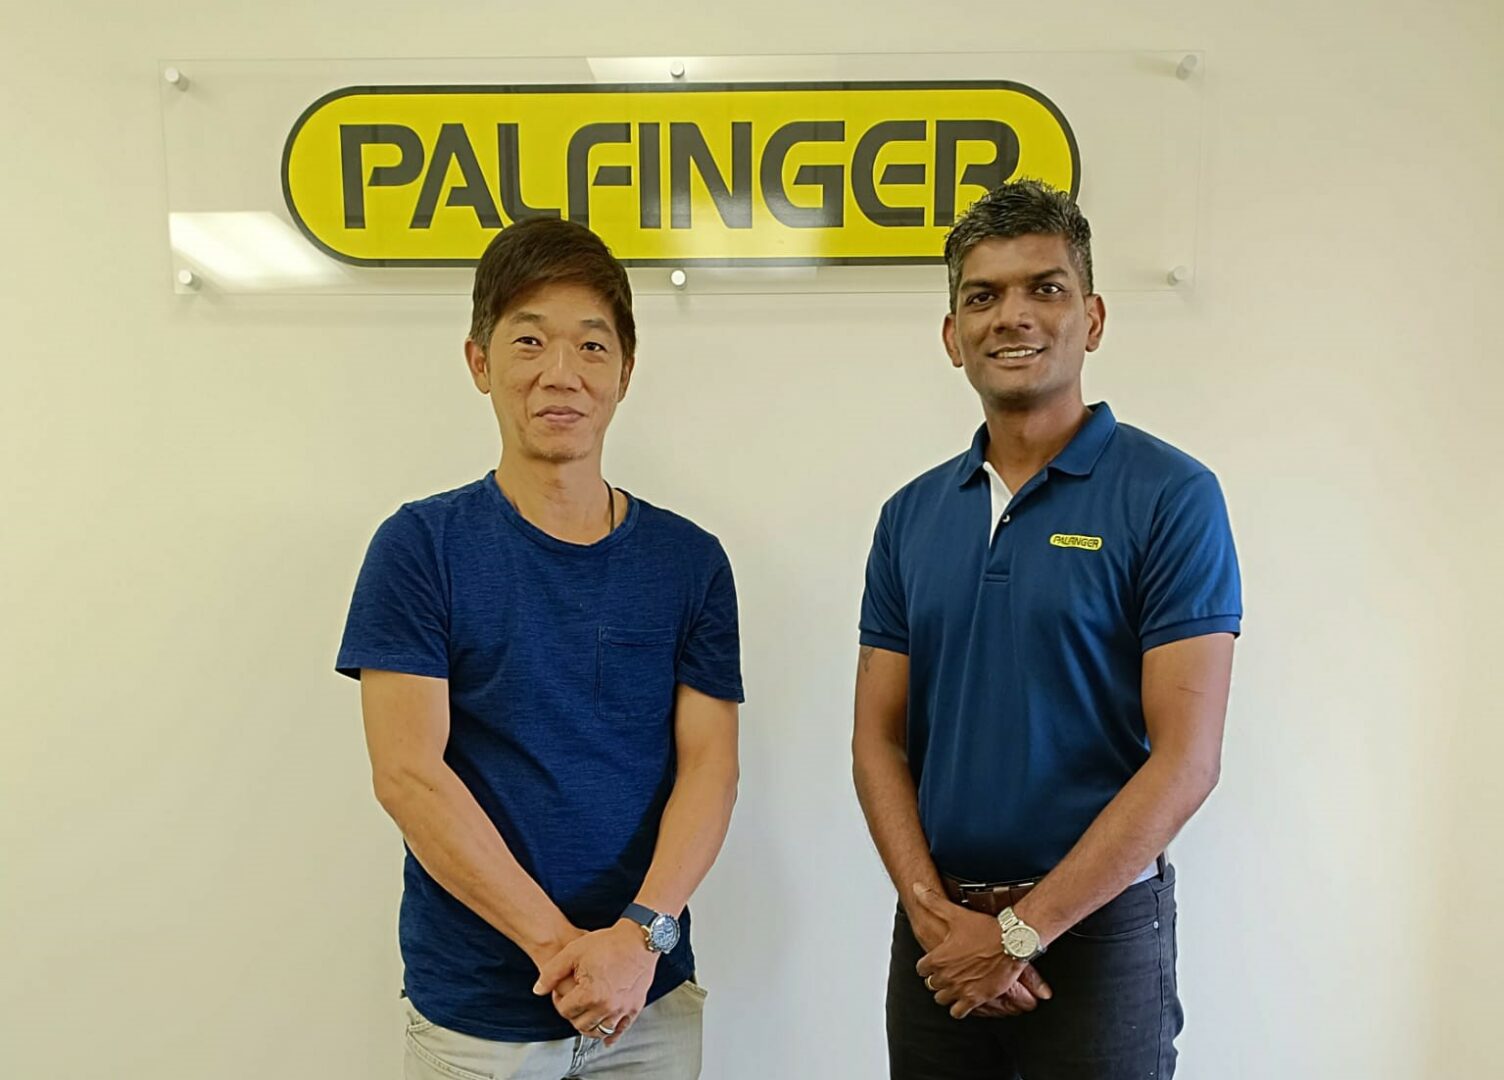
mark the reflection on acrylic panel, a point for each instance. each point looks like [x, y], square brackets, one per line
[249, 251]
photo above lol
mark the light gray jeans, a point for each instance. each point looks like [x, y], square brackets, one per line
[663, 1044]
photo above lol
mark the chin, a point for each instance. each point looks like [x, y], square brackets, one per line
[558, 453]
[1015, 395]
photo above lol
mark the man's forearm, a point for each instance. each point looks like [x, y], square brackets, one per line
[890, 802]
[1131, 831]
[691, 833]
[460, 848]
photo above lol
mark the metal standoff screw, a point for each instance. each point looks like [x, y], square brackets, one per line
[188, 279]
[1188, 65]
[1179, 275]
[676, 69]
[678, 279]
[175, 78]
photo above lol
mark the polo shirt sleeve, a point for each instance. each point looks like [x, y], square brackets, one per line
[399, 616]
[710, 661]
[1190, 584]
[885, 622]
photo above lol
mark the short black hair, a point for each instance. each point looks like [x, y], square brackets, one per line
[539, 251]
[1020, 208]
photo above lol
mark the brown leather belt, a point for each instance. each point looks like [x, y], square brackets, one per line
[986, 897]
[990, 897]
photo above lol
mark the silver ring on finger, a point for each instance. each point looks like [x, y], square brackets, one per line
[604, 1030]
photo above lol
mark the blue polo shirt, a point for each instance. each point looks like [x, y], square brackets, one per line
[1026, 652]
[562, 662]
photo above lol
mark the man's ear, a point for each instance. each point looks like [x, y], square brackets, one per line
[1096, 321]
[948, 336]
[479, 365]
[626, 376]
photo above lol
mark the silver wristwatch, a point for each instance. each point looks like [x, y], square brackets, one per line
[1020, 940]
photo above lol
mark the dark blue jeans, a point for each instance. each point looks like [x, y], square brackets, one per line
[1114, 1016]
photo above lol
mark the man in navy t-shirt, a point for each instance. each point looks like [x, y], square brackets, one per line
[1046, 648]
[549, 678]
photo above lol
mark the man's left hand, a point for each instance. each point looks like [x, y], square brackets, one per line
[611, 971]
[968, 968]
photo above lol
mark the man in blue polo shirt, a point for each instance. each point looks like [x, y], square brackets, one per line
[549, 678]
[1046, 648]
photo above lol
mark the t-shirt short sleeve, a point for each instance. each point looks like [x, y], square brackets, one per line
[1190, 584]
[399, 616]
[884, 623]
[710, 661]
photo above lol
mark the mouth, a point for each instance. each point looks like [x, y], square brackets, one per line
[1016, 352]
[559, 414]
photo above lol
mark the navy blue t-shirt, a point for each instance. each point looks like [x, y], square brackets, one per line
[562, 661]
[1025, 648]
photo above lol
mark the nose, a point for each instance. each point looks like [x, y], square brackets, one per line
[1014, 311]
[560, 371]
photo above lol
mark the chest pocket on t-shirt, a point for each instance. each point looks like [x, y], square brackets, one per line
[635, 673]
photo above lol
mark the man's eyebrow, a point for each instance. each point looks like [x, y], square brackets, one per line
[590, 322]
[1043, 275]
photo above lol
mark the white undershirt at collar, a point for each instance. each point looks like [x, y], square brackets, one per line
[1001, 497]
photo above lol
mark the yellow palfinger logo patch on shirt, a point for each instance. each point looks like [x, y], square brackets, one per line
[1071, 540]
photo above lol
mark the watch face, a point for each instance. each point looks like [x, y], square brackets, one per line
[1021, 942]
[663, 933]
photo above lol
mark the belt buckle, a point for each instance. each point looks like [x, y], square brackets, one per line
[969, 890]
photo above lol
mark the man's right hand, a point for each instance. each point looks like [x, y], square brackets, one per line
[542, 953]
[566, 986]
[928, 930]
[1022, 997]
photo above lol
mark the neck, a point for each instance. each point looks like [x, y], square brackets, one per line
[1020, 442]
[566, 499]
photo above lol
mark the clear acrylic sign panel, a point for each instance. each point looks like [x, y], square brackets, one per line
[1135, 116]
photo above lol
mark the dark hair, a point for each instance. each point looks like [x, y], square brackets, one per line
[540, 251]
[1020, 208]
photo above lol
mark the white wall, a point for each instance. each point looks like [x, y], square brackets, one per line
[195, 879]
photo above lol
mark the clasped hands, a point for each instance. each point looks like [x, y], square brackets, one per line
[599, 979]
[964, 964]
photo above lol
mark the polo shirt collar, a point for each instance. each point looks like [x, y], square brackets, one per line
[1078, 458]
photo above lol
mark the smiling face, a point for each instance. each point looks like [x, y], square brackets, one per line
[1023, 322]
[555, 369]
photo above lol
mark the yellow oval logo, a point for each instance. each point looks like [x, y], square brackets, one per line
[1070, 540]
[754, 174]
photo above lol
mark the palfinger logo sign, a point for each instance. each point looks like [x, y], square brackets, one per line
[719, 175]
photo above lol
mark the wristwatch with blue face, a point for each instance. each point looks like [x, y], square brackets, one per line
[660, 931]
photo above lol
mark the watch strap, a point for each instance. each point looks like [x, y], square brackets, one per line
[640, 914]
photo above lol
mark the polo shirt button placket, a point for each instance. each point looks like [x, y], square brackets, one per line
[999, 558]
